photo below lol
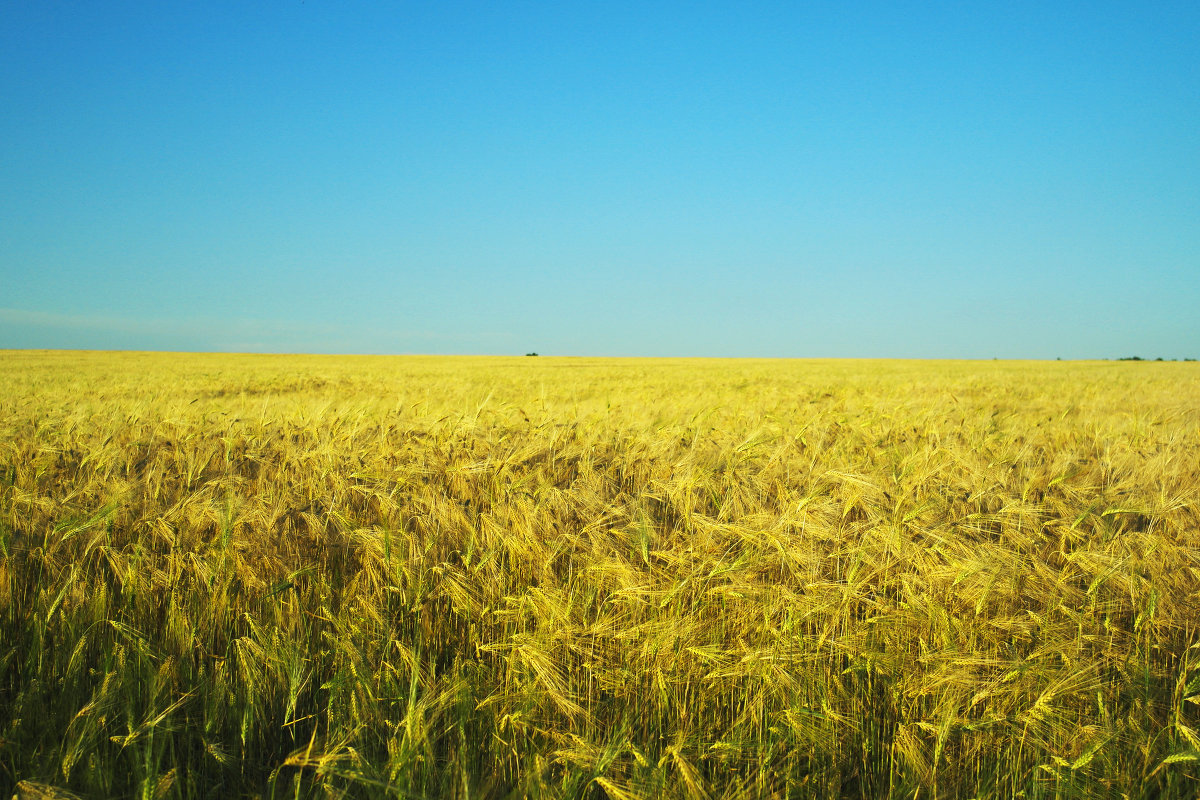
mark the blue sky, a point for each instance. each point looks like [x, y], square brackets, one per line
[729, 179]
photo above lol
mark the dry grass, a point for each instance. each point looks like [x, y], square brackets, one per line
[455, 577]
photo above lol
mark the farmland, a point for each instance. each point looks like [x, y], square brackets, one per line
[317, 576]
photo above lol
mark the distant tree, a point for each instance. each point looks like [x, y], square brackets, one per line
[531, 354]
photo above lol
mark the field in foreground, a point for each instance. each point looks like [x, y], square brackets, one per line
[271, 576]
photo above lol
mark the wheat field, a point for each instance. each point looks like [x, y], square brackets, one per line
[324, 577]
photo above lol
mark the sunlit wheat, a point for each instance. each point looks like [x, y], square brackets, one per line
[453, 577]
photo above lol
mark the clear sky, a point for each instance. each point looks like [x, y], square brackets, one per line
[885, 179]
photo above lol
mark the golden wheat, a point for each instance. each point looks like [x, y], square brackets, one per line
[487, 577]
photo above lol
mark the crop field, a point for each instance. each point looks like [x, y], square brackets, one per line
[323, 577]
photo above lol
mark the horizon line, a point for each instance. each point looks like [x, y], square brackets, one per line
[1158, 359]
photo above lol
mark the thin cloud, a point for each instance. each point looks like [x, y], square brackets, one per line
[47, 319]
[228, 335]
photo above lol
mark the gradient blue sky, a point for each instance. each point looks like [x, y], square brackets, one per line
[732, 179]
